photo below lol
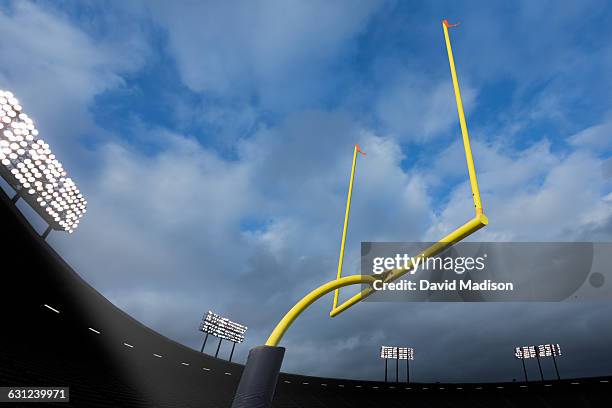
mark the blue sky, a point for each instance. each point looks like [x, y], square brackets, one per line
[213, 141]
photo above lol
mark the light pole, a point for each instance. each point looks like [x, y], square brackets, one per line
[540, 366]
[407, 371]
[551, 350]
[406, 353]
[204, 343]
[218, 347]
[556, 368]
[388, 352]
[232, 352]
[386, 360]
[397, 370]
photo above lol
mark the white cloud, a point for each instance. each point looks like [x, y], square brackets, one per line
[415, 108]
[533, 194]
[56, 69]
[267, 49]
[597, 137]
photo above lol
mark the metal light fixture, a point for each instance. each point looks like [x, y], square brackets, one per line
[30, 167]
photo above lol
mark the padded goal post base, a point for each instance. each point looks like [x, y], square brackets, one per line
[258, 381]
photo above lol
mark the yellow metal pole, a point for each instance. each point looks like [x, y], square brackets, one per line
[307, 300]
[464, 131]
[346, 220]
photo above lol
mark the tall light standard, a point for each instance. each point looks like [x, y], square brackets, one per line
[222, 328]
[388, 352]
[522, 353]
[31, 169]
[540, 365]
[406, 353]
[551, 350]
[555, 362]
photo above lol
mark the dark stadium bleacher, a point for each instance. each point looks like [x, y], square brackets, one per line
[59, 331]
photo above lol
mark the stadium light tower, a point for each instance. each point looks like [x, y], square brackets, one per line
[31, 169]
[222, 328]
[397, 354]
[543, 350]
[260, 374]
[386, 353]
[523, 353]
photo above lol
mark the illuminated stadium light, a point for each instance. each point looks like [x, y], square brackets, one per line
[405, 353]
[388, 352]
[397, 354]
[222, 328]
[30, 167]
[549, 350]
[525, 352]
[543, 350]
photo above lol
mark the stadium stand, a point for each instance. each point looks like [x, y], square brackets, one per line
[59, 331]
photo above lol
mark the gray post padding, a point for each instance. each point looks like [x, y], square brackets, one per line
[258, 381]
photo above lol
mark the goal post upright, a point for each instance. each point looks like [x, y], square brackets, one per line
[258, 382]
[479, 221]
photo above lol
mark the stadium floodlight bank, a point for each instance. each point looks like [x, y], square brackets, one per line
[405, 353]
[388, 352]
[543, 350]
[397, 353]
[29, 167]
[222, 327]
